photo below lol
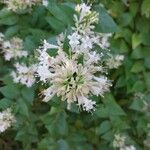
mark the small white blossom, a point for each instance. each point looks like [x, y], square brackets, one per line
[16, 5]
[86, 43]
[74, 40]
[24, 74]
[6, 119]
[13, 49]
[114, 61]
[119, 141]
[45, 3]
[83, 9]
[131, 147]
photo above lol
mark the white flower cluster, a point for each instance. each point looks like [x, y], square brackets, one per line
[6, 119]
[76, 73]
[45, 3]
[12, 48]
[16, 5]
[83, 38]
[119, 142]
[24, 74]
[114, 61]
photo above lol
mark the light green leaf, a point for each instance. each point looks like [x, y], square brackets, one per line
[137, 67]
[136, 40]
[145, 8]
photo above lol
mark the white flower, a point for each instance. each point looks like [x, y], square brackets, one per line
[85, 20]
[103, 40]
[45, 3]
[131, 147]
[24, 74]
[43, 72]
[87, 104]
[74, 40]
[114, 61]
[83, 9]
[119, 141]
[6, 119]
[86, 43]
[92, 57]
[13, 49]
[73, 82]
[76, 73]
[44, 61]
[16, 5]
[48, 94]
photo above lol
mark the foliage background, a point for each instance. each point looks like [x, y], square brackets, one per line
[50, 126]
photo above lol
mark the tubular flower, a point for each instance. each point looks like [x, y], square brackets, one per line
[75, 73]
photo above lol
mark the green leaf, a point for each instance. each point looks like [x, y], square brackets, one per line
[10, 91]
[103, 128]
[108, 136]
[5, 103]
[136, 40]
[106, 23]
[61, 12]
[62, 145]
[28, 94]
[61, 124]
[56, 123]
[147, 62]
[145, 38]
[137, 53]
[47, 143]
[101, 112]
[145, 8]
[11, 31]
[10, 20]
[137, 105]
[138, 86]
[112, 107]
[5, 13]
[22, 107]
[38, 33]
[125, 19]
[57, 25]
[29, 44]
[137, 67]
[147, 80]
